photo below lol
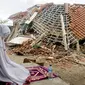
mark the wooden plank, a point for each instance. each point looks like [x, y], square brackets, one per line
[64, 32]
[77, 45]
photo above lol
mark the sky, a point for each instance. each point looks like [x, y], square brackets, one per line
[9, 7]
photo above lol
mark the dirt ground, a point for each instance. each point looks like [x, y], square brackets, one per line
[69, 72]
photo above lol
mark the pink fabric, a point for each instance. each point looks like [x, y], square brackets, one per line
[37, 73]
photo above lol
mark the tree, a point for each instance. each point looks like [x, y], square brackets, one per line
[3, 21]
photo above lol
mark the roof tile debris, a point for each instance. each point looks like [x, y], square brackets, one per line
[18, 15]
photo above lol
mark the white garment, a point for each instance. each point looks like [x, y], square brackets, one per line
[9, 70]
[4, 31]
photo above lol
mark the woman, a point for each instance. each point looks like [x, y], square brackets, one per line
[9, 70]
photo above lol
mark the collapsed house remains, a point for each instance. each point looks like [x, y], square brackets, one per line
[53, 23]
[62, 24]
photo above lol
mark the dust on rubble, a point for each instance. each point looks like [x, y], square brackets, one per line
[46, 55]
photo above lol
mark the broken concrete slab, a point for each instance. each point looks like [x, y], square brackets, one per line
[19, 40]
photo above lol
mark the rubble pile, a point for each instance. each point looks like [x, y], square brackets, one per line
[26, 49]
[43, 55]
[64, 63]
[48, 24]
[22, 48]
[53, 23]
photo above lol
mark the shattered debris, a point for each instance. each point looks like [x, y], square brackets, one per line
[19, 40]
[26, 48]
[44, 21]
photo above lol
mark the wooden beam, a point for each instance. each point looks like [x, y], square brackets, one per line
[64, 33]
[77, 45]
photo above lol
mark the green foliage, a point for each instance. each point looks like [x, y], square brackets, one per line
[36, 46]
[3, 21]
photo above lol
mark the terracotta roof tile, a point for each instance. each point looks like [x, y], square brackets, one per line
[77, 25]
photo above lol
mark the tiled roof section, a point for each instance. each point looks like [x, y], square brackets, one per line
[77, 17]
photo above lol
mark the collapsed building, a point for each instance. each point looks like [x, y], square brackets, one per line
[63, 23]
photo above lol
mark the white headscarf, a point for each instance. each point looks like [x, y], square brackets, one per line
[4, 31]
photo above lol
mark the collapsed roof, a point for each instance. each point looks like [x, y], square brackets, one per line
[48, 21]
[48, 24]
